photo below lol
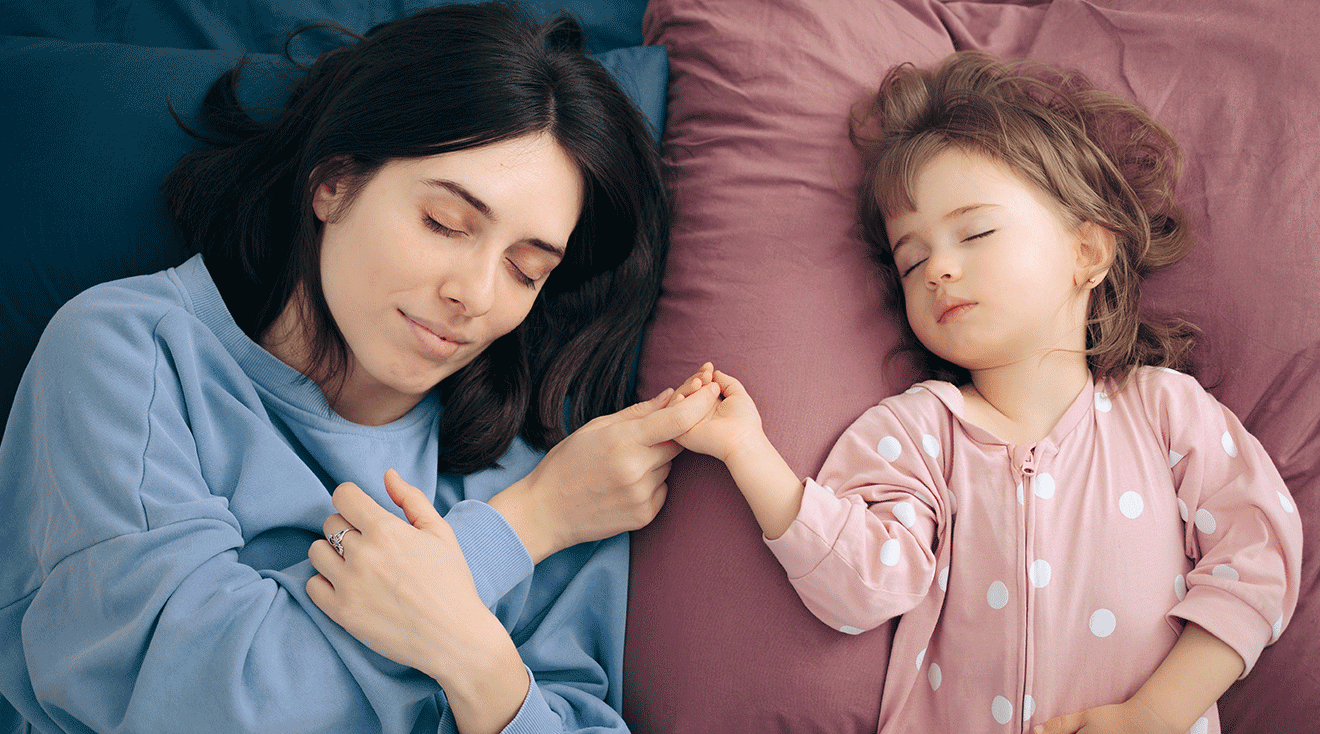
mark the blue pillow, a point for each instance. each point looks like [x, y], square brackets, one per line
[87, 138]
[261, 25]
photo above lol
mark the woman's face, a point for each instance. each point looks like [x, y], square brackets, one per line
[437, 257]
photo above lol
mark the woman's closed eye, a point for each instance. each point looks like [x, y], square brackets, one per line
[439, 228]
[519, 275]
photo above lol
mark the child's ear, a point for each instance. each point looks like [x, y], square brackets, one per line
[1095, 253]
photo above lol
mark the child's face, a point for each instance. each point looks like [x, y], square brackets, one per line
[991, 273]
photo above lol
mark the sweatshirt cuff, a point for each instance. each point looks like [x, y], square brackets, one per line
[535, 716]
[1226, 616]
[495, 554]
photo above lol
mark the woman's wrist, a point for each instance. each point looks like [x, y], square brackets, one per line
[518, 505]
[486, 688]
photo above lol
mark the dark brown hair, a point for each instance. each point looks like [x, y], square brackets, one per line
[1099, 157]
[446, 79]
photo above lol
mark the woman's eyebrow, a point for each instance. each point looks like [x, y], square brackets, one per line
[461, 191]
[457, 189]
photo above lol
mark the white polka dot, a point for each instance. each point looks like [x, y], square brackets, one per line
[1102, 402]
[1230, 447]
[1277, 627]
[1202, 726]
[1103, 623]
[1205, 522]
[930, 445]
[997, 595]
[905, 513]
[851, 630]
[889, 448]
[1180, 587]
[1174, 458]
[1131, 505]
[1223, 571]
[1043, 485]
[1039, 572]
[1021, 499]
[921, 656]
[1028, 707]
[1287, 503]
[934, 676]
[944, 579]
[1001, 709]
[890, 552]
[1182, 509]
[913, 390]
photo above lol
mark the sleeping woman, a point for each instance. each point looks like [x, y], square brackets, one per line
[407, 289]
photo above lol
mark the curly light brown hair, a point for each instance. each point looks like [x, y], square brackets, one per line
[1098, 157]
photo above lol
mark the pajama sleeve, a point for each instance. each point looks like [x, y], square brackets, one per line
[1242, 529]
[861, 550]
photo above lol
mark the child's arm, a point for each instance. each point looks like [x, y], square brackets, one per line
[1194, 674]
[733, 434]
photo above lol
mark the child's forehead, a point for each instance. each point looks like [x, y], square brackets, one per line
[942, 176]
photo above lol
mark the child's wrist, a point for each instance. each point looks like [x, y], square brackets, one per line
[751, 450]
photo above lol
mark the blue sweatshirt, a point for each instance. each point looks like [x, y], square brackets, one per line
[161, 479]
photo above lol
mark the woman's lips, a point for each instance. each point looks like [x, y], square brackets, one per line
[432, 339]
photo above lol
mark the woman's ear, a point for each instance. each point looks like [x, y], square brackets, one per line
[1095, 253]
[329, 196]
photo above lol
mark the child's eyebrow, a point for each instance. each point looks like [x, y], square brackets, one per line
[951, 215]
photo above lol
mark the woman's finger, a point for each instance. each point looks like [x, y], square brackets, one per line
[671, 422]
[420, 512]
[358, 508]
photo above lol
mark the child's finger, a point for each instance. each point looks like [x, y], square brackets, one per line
[728, 385]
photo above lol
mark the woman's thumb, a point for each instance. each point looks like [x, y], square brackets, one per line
[419, 511]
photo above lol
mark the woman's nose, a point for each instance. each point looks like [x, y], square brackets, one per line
[470, 282]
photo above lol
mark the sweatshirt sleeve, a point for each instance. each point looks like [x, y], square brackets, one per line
[126, 606]
[567, 619]
[569, 630]
[862, 547]
[1242, 529]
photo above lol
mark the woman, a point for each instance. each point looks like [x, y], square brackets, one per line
[440, 254]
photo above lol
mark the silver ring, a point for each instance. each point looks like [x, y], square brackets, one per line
[336, 541]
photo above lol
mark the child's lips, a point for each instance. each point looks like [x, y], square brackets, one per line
[952, 310]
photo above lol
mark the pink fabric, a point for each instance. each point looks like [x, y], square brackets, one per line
[1013, 564]
[767, 279]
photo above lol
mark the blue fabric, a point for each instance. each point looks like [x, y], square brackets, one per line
[163, 480]
[87, 138]
[261, 25]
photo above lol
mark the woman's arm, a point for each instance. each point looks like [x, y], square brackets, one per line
[405, 588]
[606, 478]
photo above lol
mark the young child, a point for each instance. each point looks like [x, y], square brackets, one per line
[1077, 537]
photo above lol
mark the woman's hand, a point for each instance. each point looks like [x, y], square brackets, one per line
[606, 478]
[404, 590]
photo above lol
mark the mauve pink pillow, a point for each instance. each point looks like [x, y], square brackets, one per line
[767, 279]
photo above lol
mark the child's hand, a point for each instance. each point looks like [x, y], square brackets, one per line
[733, 422]
[1130, 717]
